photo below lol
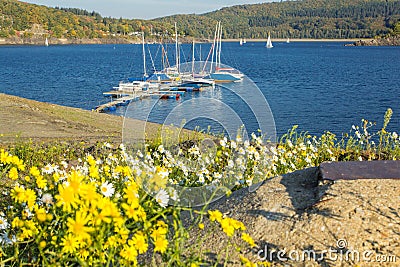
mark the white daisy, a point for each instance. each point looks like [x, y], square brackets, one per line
[48, 169]
[222, 142]
[64, 164]
[201, 178]
[162, 198]
[3, 223]
[174, 195]
[107, 189]
[161, 149]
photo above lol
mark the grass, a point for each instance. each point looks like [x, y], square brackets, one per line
[90, 204]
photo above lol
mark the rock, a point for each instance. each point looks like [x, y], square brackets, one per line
[384, 41]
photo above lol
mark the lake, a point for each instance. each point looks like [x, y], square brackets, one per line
[317, 85]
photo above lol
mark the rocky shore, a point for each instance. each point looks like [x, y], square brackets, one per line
[298, 220]
[388, 41]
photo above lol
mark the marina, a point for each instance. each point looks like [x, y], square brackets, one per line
[173, 81]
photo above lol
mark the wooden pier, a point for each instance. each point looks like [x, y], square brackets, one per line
[124, 98]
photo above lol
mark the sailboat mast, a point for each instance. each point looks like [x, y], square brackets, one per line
[144, 57]
[193, 59]
[213, 47]
[176, 48]
[220, 44]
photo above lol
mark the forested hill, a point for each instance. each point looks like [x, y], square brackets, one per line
[294, 19]
[297, 19]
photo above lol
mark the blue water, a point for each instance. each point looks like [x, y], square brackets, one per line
[318, 86]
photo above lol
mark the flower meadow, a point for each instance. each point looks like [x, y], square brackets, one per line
[103, 204]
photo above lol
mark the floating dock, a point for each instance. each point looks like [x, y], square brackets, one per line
[124, 99]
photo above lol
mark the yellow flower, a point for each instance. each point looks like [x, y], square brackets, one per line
[91, 160]
[4, 157]
[264, 263]
[34, 171]
[215, 215]
[41, 182]
[237, 224]
[77, 226]
[75, 180]
[13, 173]
[106, 171]
[118, 169]
[160, 244]
[30, 197]
[160, 178]
[18, 162]
[127, 171]
[247, 262]
[42, 244]
[94, 171]
[248, 239]
[201, 226]
[70, 244]
[17, 223]
[83, 254]
[19, 194]
[227, 226]
[28, 230]
[66, 198]
[140, 242]
[41, 214]
[124, 233]
[131, 192]
[129, 253]
[109, 208]
[112, 242]
[88, 192]
[56, 177]
[131, 210]
[160, 232]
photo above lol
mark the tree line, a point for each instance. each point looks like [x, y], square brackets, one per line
[285, 19]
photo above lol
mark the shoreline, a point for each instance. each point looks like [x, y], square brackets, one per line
[108, 41]
[24, 119]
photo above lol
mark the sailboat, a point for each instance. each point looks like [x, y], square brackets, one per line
[46, 42]
[244, 40]
[221, 74]
[136, 84]
[287, 41]
[269, 43]
[241, 41]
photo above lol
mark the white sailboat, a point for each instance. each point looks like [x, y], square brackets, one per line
[244, 40]
[46, 42]
[241, 41]
[218, 73]
[287, 41]
[269, 43]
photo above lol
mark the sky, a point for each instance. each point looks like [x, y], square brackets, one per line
[145, 9]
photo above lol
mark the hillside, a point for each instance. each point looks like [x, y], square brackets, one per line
[294, 19]
[297, 19]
